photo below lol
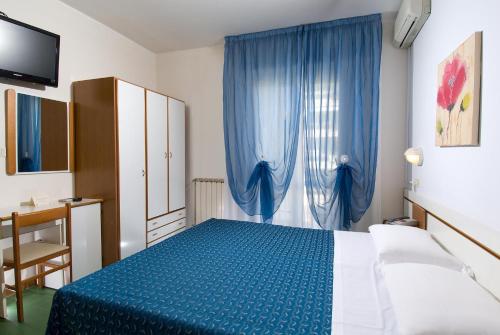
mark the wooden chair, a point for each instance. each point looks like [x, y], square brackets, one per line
[22, 256]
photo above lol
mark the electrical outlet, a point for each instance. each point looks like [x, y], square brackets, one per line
[3, 153]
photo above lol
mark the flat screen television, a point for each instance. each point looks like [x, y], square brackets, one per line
[28, 53]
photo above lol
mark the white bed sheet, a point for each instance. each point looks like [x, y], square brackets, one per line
[361, 303]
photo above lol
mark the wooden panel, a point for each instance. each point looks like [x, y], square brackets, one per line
[71, 123]
[418, 213]
[10, 131]
[96, 169]
[41, 217]
[54, 135]
[478, 40]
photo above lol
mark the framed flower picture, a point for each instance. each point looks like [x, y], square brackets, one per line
[459, 94]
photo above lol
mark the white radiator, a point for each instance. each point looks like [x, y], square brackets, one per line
[208, 199]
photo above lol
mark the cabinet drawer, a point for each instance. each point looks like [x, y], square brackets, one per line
[166, 229]
[165, 237]
[166, 219]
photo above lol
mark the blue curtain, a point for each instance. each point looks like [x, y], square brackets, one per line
[341, 100]
[329, 72]
[262, 103]
[29, 127]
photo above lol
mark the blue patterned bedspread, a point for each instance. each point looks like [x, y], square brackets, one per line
[220, 277]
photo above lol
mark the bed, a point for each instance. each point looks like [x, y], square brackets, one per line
[234, 277]
[216, 278]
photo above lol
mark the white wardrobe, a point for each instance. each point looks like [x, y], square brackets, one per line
[130, 151]
[165, 118]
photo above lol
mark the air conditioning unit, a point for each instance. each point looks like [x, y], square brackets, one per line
[411, 17]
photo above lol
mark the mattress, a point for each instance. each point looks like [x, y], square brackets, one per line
[219, 277]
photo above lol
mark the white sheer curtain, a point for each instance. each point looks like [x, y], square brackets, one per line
[294, 210]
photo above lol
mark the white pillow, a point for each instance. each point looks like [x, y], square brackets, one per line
[429, 299]
[402, 244]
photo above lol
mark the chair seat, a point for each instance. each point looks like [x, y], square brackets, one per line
[32, 251]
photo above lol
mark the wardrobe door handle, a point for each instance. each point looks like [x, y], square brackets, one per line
[143, 172]
[165, 155]
[170, 155]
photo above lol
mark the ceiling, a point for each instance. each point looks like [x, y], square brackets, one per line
[166, 25]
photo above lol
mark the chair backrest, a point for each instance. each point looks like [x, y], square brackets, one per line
[35, 218]
[30, 219]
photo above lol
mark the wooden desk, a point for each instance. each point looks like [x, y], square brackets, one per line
[6, 213]
[6, 233]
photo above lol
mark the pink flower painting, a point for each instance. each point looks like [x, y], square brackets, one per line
[457, 121]
[452, 84]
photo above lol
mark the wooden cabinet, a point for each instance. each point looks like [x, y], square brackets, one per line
[129, 145]
[110, 160]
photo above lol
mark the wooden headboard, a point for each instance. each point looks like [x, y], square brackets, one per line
[475, 244]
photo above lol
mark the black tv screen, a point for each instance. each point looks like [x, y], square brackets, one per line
[28, 53]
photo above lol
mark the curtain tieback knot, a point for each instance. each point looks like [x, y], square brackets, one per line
[262, 175]
[343, 187]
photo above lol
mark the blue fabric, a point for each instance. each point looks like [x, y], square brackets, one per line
[343, 190]
[341, 102]
[262, 173]
[330, 72]
[262, 102]
[220, 277]
[29, 128]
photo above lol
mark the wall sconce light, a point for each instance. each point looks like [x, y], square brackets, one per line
[415, 156]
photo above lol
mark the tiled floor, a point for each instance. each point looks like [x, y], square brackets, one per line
[37, 304]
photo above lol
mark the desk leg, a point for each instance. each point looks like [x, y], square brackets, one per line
[3, 302]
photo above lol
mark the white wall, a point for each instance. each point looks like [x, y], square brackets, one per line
[88, 50]
[388, 197]
[195, 76]
[463, 179]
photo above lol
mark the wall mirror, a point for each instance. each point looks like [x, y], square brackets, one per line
[39, 134]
